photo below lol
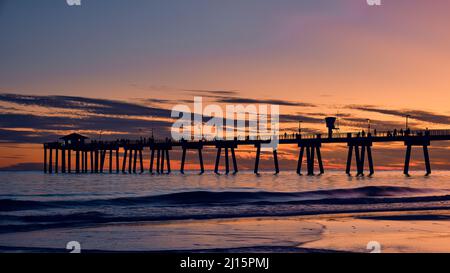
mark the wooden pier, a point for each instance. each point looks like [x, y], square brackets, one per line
[90, 156]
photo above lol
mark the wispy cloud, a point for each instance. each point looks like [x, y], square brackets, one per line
[263, 101]
[420, 115]
[212, 92]
[89, 105]
[116, 118]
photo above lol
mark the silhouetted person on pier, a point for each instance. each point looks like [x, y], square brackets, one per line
[363, 133]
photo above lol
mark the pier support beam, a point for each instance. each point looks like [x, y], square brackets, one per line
[349, 160]
[45, 158]
[370, 160]
[227, 147]
[189, 146]
[300, 159]
[158, 159]
[227, 162]
[96, 153]
[92, 160]
[258, 155]
[56, 160]
[135, 160]
[319, 160]
[233, 155]
[311, 152]
[152, 159]
[50, 161]
[77, 161]
[216, 167]
[360, 156]
[101, 163]
[183, 160]
[275, 161]
[427, 160]
[168, 161]
[141, 160]
[86, 161]
[200, 158]
[117, 160]
[103, 158]
[407, 159]
[124, 160]
[311, 149]
[63, 160]
[162, 161]
[69, 160]
[417, 141]
[110, 160]
[130, 160]
[82, 161]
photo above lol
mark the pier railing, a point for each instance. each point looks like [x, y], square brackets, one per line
[285, 136]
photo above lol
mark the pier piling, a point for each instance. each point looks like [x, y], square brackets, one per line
[233, 155]
[152, 159]
[216, 166]
[158, 160]
[69, 160]
[45, 158]
[56, 160]
[110, 160]
[258, 155]
[141, 161]
[50, 162]
[275, 161]
[183, 160]
[424, 142]
[124, 160]
[63, 160]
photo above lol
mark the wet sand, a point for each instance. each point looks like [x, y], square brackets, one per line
[405, 232]
[418, 231]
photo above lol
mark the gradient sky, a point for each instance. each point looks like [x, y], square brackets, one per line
[139, 58]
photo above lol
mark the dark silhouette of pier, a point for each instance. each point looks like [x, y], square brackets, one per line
[359, 146]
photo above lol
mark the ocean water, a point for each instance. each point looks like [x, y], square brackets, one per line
[116, 212]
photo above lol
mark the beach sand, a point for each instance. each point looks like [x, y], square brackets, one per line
[418, 231]
[405, 232]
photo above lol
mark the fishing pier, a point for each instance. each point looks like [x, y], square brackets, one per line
[127, 155]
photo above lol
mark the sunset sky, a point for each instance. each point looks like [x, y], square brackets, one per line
[118, 67]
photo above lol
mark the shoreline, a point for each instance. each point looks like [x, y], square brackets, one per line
[397, 232]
